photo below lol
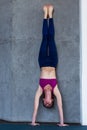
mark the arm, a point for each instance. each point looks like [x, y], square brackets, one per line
[36, 104]
[59, 104]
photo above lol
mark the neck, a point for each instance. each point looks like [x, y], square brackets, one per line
[48, 93]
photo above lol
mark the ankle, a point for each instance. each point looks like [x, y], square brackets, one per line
[50, 16]
[45, 15]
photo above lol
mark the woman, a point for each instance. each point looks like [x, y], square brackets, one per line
[48, 60]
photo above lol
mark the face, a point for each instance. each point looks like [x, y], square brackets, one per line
[48, 102]
[48, 98]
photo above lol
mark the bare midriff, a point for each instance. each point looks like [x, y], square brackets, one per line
[48, 72]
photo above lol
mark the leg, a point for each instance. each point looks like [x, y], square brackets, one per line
[52, 46]
[44, 43]
[43, 47]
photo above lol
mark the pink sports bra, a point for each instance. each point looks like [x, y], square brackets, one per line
[43, 82]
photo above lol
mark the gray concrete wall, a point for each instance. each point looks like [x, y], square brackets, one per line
[20, 39]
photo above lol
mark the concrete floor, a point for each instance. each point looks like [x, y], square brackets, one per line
[20, 39]
[41, 127]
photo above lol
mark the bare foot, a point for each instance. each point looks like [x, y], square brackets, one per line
[45, 9]
[51, 9]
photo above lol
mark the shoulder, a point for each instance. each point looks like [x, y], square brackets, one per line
[56, 90]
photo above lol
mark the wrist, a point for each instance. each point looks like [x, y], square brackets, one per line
[33, 120]
[61, 122]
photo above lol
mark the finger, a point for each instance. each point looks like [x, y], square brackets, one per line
[62, 124]
[38, 124]
[33, 124]
[59, 124]
[66, 125]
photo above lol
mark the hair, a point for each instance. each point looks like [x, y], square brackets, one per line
[43, 96]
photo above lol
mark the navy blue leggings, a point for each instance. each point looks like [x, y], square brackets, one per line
[48, 52]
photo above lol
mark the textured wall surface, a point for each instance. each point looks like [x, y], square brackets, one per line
[20, 39]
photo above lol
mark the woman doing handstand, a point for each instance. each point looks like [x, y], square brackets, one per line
[48, 60]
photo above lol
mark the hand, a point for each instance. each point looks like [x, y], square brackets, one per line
[34, 124]
[59, 124]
